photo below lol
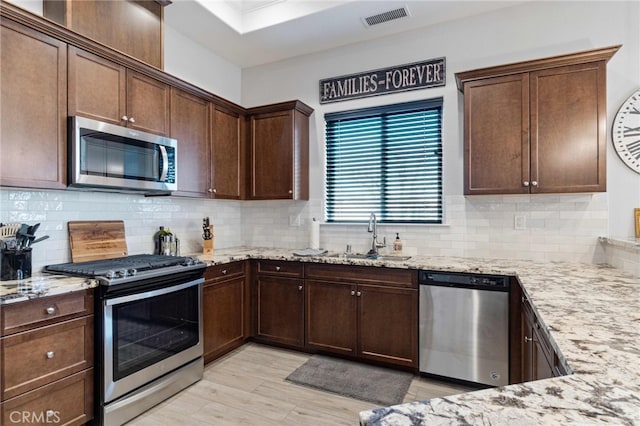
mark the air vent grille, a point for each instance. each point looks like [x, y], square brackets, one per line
[390, 15]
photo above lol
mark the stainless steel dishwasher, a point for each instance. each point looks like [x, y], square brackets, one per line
[464, 327]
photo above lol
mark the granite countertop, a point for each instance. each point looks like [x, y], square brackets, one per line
[591, 314]
[41, 286]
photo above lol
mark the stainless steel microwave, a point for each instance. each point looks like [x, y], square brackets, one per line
[108, 157]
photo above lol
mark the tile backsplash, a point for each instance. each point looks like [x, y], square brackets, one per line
[553, 227]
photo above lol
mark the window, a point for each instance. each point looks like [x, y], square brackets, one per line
[386, 160]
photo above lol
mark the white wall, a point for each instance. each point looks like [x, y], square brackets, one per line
[559, 226]
[191, 62]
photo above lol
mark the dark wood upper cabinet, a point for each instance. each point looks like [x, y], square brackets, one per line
[97, 87]
[190, 126]
[537, 126]
[131, 27]
[279, 151]
[105, 91]
[33, 129]
[228, 154]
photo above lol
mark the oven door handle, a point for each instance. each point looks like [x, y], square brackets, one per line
[152, 293]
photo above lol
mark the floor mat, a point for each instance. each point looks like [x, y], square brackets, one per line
[361, 381]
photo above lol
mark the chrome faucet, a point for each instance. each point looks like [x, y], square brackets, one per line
[375, 245]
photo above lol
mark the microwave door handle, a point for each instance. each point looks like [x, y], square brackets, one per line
[165, 163]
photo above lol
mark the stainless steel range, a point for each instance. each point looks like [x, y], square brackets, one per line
[148, 330]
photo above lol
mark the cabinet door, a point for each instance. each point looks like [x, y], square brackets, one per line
[227, 167]
[568, 112]
[542, 366]
[33, 129]
[148, 102]
[280, 315]
[331, 317]
[528, 347]
[496, 139]
[388, 324]
[97, 87]
[190, 126]
[223, 313]
[272, 156]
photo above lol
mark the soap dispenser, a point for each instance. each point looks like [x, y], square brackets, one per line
[397, 244]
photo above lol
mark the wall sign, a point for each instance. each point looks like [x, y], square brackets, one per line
[419, 75]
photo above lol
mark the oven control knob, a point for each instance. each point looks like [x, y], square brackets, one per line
[189, 261]
[131, 272]
[110, 274]
[122, 273]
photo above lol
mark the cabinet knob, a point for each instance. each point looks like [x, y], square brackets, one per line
[359, 293]
[353, 292]
[523, 299]
[125, 118]
[534, 183]
[299, 288]
[277, 269]
[51, 354]
[224, 272]
[50, 310]
[528, 339]
[291, 191]
[132, 120]
[214, 190]
[210, 190]
[525, 183]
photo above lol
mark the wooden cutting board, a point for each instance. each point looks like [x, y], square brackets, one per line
[96, 240]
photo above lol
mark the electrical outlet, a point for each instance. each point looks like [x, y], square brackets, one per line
[294, 220]
[520, 222]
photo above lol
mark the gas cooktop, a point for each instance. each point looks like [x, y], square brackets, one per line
[127, 269]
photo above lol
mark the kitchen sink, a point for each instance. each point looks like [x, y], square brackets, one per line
[378, 257]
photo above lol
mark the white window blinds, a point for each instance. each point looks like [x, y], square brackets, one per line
[386, 160]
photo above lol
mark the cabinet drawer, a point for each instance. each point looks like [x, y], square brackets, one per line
[363, 275]
[41, 356]
[223, 272]
[22, 316]
[285, 269]
[68, 401]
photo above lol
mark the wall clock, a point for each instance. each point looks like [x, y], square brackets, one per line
[626, 131]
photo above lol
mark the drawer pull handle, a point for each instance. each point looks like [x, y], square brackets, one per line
[51, 354]
[224, 272]
[50, 310]
[277, 268]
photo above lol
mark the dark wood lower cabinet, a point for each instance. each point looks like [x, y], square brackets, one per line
[280, 310]
[373, 322]
[388, 324]
[225, 319]
[331, 317]
[538, 358]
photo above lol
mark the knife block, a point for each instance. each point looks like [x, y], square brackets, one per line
[208, 244]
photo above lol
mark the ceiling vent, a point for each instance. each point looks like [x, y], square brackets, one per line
[390, 15]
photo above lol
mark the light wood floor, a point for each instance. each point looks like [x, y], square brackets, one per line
[247, 387]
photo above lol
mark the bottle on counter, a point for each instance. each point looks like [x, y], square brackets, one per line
[157, 239]
[397, 244]
[168, 243]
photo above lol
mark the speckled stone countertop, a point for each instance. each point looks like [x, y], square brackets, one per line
[591, 314]
[41, 286]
